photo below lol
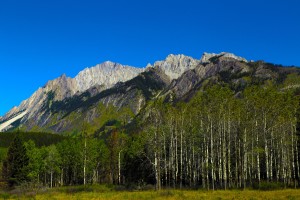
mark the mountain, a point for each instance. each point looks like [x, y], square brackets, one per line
[113, 91]
[206, 117]
[103, 76]
[104, 81]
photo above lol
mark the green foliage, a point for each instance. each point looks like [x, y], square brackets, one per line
[266, 186]
[213, 123]
[15, 166]
[110, 119]
[36, 163]
[70, 153]
[39, 138]
[292, 81]
[52, 161]
[3, 152]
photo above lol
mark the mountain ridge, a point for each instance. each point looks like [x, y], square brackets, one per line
[110, 83]
[106, 74]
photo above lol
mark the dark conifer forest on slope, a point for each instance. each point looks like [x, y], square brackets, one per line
[231, 130]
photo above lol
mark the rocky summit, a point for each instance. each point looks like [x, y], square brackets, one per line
[207, 56]
[175, 65]
[106, 74]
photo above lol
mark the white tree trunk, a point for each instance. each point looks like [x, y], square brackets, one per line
[119, 167]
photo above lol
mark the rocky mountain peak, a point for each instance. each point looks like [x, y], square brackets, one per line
[106, 74]
[207, 56]
[175, 65]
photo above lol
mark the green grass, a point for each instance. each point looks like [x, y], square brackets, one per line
[109, 192]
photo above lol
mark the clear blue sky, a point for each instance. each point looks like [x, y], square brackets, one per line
[42, 39]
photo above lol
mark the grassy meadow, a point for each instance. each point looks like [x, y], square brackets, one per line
[104, 192]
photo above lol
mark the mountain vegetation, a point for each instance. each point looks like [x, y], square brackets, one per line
[222, 124]
[14, 168]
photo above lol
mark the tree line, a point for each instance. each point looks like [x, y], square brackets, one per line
[217, 140]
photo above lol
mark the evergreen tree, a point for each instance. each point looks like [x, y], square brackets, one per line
[16, 163]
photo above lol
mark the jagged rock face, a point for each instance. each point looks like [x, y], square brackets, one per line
[101, 77]
[132, 94]
[184, 84]
[11, 112]
[206, 57]
[135, 92]
[63, 87]
[106, 74]
[175, 65]
[193, 78]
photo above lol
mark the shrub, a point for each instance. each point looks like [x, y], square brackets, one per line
[3, 184]
[265, 186]
[148, 187]
[120, 188]
[4, 196]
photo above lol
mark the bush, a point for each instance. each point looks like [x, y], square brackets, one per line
[3, 184]
[77, 189]
[120, 188]
[4, 196]
[131, 186]
[148, 187]
[87, 188]
[265, 186]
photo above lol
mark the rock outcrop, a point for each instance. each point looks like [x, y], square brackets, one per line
[175, 65]
[193, 78]
[206, 57]
[106, 74]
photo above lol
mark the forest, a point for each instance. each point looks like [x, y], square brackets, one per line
[219, 139]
